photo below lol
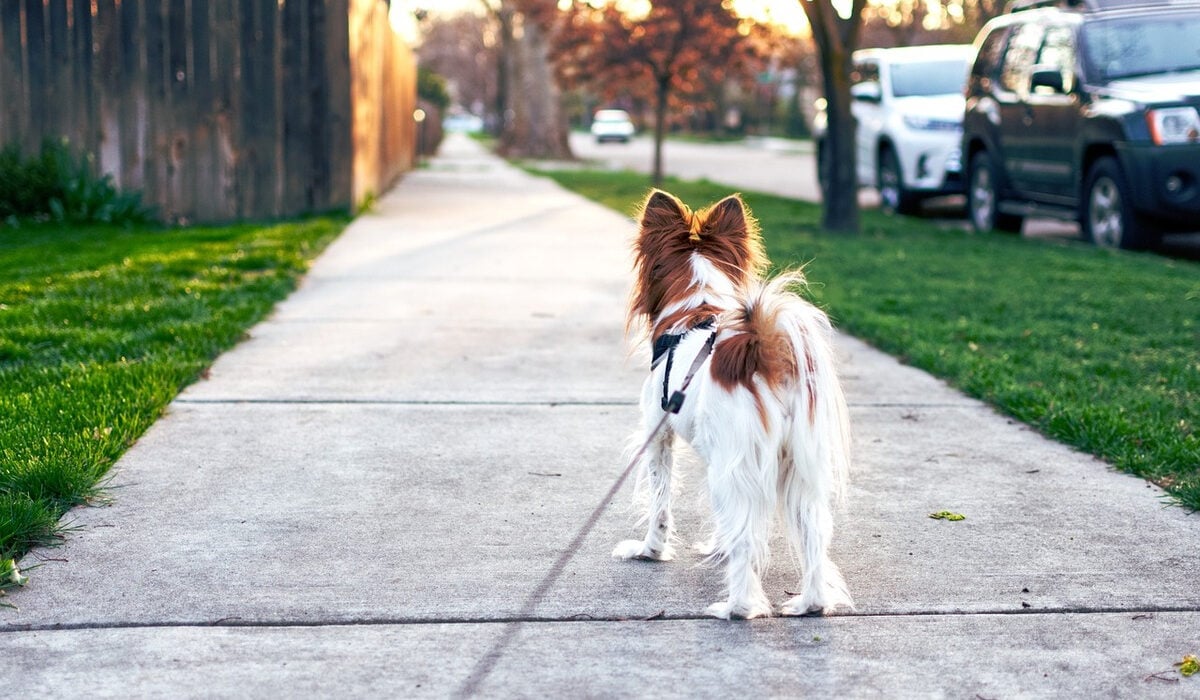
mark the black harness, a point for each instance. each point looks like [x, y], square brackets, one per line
[665, 344]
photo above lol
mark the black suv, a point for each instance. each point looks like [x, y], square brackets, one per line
[1087, 111]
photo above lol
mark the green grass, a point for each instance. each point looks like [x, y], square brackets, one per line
[100, 327]
[702, 137]
[1099, 349]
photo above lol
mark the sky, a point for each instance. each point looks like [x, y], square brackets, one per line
[785, 12]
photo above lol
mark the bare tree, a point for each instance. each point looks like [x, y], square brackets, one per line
[836, 38]
[462, 48]
[916, 22]
[531, 119]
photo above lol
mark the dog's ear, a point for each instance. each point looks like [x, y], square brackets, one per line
[663, 210]
[728, 218]
[731, 236]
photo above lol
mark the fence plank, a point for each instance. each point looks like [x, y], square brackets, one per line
[134, 109]
[82, 123]
[12, 86]
[35, 69]
[155, 128]
[205, 181]
[105, 88]
[226, 58]
[59, 98]
[256, 109]
[178, 111]
[333, 187]
[297, 119]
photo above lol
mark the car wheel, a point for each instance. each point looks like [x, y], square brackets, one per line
[983, 200]
[894, 198]
[1108, 218]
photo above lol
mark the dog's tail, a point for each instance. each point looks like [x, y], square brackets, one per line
[788, 344]
[784, 345]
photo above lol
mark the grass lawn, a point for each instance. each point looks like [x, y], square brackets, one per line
[1099, 349]
[100, 327]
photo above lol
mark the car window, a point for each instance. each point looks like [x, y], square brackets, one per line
[991, 51]
[928, 78]
[611, 115]
[1018, 62]
[865, 72]
[1058, 51]
[1127, 47]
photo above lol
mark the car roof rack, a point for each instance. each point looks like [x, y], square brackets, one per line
[1019, 5]
[1091, 5]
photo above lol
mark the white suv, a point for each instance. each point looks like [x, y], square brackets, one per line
[908, 106]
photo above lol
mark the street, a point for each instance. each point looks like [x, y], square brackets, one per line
[777, 166]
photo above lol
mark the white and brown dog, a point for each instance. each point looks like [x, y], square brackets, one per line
[764, 411]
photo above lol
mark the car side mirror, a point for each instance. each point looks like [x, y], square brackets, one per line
[867, 92]
[1049, 80]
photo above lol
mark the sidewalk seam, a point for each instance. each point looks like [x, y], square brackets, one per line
[233, 622]
[451, 402]
[400, 402]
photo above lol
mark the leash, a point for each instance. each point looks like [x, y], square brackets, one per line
[675, 402]
[488, 662]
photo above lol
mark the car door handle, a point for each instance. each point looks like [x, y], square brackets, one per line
[1027, 118]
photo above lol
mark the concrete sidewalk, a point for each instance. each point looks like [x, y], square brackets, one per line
[405, 484]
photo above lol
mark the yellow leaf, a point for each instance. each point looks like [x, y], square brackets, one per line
[1189, 665]
[947, 515]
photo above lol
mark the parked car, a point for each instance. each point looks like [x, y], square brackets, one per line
[612, 125]
[908, 107]
[1087, 111]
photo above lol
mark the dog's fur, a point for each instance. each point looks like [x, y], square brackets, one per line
[765, 412]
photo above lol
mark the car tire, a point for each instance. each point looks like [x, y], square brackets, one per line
[894, 198]
[1107, 215]
[983, 198]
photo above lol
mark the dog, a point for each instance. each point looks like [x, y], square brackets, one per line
[764, 409]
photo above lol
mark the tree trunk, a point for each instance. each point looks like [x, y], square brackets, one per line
[840, 212]
[504, 70]
[535, 127]
[836, 38]
[660, 125]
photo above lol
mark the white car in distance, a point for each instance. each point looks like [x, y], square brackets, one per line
[908, 106]
[612, 125]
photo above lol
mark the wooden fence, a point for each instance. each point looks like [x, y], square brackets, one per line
[215, 110]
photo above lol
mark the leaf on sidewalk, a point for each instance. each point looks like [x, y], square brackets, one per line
[1189, 666]
[947, 515]
[10, 574]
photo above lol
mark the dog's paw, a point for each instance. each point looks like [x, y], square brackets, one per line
[806, 605]
[746, 610]
[637, 549]
[797, 607]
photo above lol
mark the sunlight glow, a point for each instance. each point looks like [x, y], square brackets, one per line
[635, 9]
[787, 14]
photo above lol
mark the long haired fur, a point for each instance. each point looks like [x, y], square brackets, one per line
[765, 412]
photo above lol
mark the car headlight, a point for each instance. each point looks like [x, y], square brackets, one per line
[919, 123]
[1174, 125]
